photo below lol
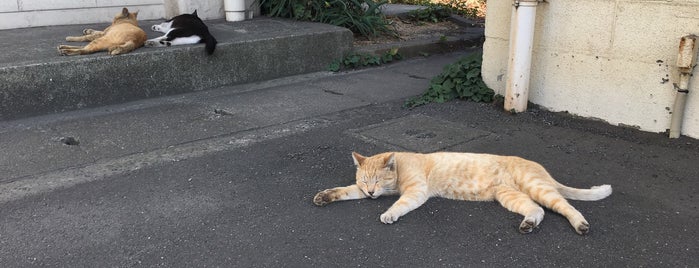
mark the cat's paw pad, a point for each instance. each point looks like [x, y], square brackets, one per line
[155, 28]
[88, 31]
[165, 43]
[389, 218]
[323, 198]
[527, 226]
[583, 228]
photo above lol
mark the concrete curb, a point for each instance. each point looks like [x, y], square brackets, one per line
[425, 47]
[41, 82]
[247, 52]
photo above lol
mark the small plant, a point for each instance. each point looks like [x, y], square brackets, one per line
[461, 79]
[357, 60]
[466, 8]
[431, 13]
[362, 17]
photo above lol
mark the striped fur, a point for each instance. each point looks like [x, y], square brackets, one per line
[121, 37]
[518, 184]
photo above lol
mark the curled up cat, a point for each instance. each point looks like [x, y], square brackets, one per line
[518, 184]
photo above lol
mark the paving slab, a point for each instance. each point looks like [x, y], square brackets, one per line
[418, 133]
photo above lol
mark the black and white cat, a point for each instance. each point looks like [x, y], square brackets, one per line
[181, 30]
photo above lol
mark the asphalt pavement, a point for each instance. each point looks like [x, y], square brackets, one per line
[225, 178]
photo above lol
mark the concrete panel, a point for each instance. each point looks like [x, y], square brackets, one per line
[591, 86]
[494, 68]
[497, 20]
[560, 25]
[209, 9]
[648, 40]
[9, 6]
[118, 3]
[29, 5]
[690, 125]
[73, 16]
[608, 60]
[419, 133]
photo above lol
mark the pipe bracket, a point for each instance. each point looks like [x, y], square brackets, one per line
[517, 3]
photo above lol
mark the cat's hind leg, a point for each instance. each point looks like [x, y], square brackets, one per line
[328, 196]
[65, 50]
[88, 36]
[155, 42]
[123, 48]
[549, 197]
[92, 47]
[520, 203]
[91, 31]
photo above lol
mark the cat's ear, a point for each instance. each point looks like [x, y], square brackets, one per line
[391, 162]
[194, 13]
[125, 12]
[358, 159]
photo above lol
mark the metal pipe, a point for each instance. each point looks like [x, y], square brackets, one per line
[235, 10]
[520, 56]
[686, 60]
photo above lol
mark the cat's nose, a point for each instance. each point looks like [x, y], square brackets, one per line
[371, 193]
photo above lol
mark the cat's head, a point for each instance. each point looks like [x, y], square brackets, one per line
[125, 16]
[376, 174]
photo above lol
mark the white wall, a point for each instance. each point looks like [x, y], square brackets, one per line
[33, 13]
[602, 59]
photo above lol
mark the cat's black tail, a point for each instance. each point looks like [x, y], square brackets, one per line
[210, 42]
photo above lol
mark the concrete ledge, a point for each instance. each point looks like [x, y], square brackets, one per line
[35, 80]
[471, 38]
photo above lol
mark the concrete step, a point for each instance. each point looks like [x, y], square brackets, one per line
[36, 80]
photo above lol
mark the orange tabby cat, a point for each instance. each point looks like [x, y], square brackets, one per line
[518, 184]
[122, 36]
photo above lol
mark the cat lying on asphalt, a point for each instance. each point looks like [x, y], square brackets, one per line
[181, 30]
[122, 36]
[518, 184]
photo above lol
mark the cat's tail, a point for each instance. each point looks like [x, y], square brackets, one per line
[210, 44]
[593, 194]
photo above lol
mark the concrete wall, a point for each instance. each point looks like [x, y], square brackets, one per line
[611, 60]
[33, 13]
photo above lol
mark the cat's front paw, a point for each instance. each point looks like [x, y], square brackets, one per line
[150, 43]
[389, 218]
[324, 197]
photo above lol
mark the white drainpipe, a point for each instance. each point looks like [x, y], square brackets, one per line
[686, 60]
[235, 10]
[520, 61]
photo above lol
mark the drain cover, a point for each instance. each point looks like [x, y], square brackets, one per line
[418, 133]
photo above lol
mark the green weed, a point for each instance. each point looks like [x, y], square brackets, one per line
[461, 80]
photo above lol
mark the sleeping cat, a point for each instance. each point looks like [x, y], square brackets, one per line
[183, 29]
[518, 184]
[122, 36]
